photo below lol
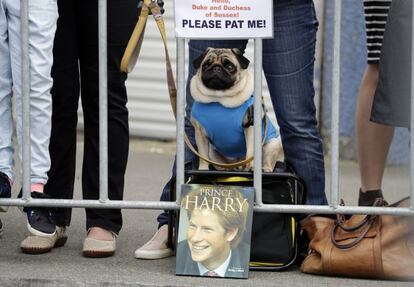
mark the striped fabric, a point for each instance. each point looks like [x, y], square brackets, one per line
[376, 12]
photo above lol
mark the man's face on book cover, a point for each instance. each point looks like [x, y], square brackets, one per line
[209, 242]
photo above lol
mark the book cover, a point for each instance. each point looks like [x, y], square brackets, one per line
[215, 230]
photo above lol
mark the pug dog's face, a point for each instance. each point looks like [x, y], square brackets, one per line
[220, 68]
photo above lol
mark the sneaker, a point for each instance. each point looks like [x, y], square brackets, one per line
[38, 244]
[156, 247]
[5, 189]
[40, 221]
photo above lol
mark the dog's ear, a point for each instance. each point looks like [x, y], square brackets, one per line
[197, 62]
[244, 62]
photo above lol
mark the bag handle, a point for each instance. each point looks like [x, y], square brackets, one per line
[368, 224]
[130, 58]
[341, 219]
[365, 223]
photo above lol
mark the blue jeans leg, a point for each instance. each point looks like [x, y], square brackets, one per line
[288, 66]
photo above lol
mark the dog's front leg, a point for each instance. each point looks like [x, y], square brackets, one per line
[202, 144]
[249, 137]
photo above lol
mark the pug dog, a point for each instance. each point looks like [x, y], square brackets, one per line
[222, 112]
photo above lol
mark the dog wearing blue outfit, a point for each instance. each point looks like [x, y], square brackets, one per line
[222, 113]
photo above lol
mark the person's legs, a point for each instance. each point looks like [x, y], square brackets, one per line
[65, 97]
[122, 16]
[288, 65]
[373, 140]
[42, 26]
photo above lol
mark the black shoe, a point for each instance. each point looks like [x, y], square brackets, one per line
[5, 188]
[369, 197]
[40, 220]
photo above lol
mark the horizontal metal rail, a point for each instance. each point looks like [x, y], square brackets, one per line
[268, 208]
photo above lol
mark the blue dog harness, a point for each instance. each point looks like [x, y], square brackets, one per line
[224, 126]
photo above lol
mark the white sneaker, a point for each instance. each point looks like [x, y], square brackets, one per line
[156, 247]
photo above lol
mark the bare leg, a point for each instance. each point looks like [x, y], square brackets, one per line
[373, 140]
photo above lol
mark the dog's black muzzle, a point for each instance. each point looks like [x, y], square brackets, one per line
[217, 78]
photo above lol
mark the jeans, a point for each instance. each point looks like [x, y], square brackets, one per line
[42, 26]
[288, 64]
[76, 73]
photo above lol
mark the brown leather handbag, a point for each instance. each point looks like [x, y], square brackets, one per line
[364, 246]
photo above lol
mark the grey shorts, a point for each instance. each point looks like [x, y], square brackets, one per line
[393, 95]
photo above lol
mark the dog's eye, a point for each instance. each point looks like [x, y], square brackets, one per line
[229, 66]
[205, 66]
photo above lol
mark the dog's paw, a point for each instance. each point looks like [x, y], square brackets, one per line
[249, 166]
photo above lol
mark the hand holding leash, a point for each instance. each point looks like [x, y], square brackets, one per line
[160, 3]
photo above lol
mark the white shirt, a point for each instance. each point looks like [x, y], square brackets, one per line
[221, 270]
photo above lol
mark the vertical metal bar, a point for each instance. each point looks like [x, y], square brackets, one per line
[25, 77]
[412, 111]
[103, 101]
[180, 116]
[257, 176]
[335, 106]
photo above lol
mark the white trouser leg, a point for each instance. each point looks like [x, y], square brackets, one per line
[42, 27]
[6, 120]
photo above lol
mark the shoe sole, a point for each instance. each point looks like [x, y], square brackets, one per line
[97, 254]
[59, 243]
[152, 256]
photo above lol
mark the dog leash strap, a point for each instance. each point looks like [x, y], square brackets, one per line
[133, 48]
[172, 90]
[226, 165]
[131, 54]
[223, 165]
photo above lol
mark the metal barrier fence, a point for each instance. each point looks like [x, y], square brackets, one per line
[104, 202]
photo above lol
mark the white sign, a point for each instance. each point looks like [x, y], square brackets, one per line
[224, 19]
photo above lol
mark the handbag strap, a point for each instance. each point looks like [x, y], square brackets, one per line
[341, 219]
[365, 224]
[130, 58]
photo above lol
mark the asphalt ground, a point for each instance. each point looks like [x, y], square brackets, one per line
[149, 168]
